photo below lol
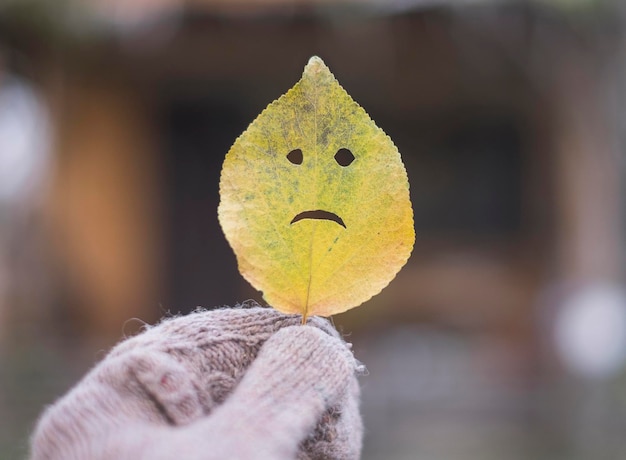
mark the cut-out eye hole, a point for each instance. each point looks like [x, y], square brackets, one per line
[344, 157]
[295, 156]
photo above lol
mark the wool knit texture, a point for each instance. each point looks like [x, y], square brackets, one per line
[236, 383]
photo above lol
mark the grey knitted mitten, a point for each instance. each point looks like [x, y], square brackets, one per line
[222, 384]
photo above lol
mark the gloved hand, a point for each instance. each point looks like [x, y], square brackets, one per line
[241, 383]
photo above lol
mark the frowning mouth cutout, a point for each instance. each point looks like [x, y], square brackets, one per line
[319, 214]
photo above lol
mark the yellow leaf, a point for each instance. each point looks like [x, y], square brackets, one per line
[315, 200]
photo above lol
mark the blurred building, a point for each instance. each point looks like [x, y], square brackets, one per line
[507, 115]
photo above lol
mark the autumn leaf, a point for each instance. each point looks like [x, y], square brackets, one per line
[315, 200]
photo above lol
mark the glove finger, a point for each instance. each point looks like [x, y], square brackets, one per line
[299, 374]
[202, 327]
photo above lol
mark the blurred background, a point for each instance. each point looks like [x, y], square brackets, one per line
[505, 335]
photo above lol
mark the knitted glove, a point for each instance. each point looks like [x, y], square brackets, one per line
[222, 384]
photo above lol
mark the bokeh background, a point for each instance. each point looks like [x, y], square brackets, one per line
[504, 337]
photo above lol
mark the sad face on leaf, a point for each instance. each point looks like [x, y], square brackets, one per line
[315, 200]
